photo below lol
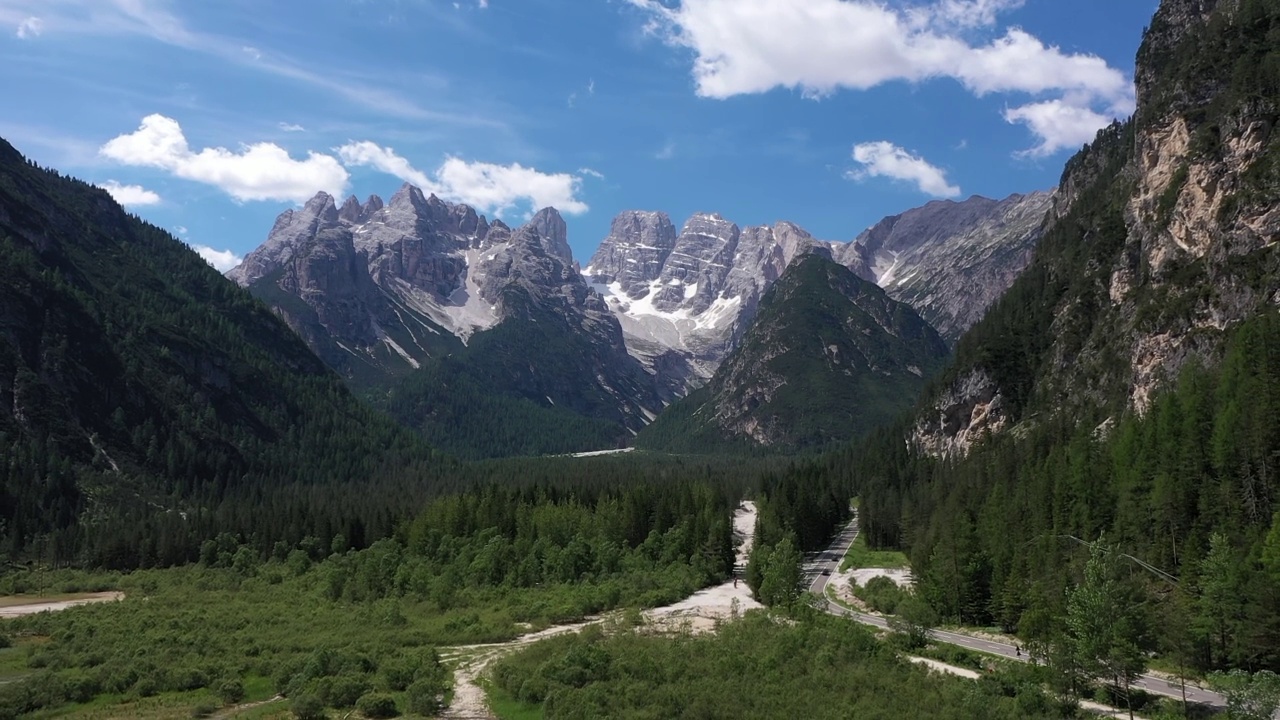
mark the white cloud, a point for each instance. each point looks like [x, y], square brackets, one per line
[966, 13]
[1059, 125]
[29, 28]
[262, 171]
[485, 186]
[130, 195]
[593, 173]
[666, 152]
[292, 127]
[370, 154]
[751, 46]
[221, 260]
[884, 159]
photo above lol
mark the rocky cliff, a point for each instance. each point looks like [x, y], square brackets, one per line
[950, 260]
[1163, 238]
[382, 290]
[684, 299]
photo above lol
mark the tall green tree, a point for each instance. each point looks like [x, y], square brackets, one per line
[1105, 632]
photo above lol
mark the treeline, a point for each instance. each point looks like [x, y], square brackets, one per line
[169, 530]
[1188, 491]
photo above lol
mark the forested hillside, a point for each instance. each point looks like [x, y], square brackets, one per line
[828, 358]
[518, 390]
[1127, 387]
[139, 389]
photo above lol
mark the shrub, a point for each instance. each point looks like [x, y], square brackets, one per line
[347, 690]
[146, 686]
[189, 679]
[307, 707]
[204, 710]
[231, 691]
[377, 705]
[423, 698]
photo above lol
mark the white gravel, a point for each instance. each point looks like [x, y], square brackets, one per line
[56, 605]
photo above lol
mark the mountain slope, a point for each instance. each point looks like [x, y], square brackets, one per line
[470, 331]
[950, 260]
[828, 357]
[552, 377]
[1127, 387]
[1164, 236]
[135, 379]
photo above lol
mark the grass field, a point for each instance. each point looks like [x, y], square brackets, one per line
[860, 556]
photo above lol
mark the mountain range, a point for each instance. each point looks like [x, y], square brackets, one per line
[398, 296]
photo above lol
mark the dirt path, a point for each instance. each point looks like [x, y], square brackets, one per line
[700, 610]
[234, 711]
[56, 605]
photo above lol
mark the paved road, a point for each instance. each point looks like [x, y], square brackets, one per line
[818, 567]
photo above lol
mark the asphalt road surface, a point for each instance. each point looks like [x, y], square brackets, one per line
[817, 573]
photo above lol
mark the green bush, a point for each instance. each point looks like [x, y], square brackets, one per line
[346, 690]
[423, 698]
[307, 707]
[377, 705]
[231, 691]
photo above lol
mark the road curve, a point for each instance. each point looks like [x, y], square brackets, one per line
[817, 569]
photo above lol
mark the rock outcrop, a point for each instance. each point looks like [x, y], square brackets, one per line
[1162, 239]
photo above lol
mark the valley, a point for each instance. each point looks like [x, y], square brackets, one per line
[501, 446]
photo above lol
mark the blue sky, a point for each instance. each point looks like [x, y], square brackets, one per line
[210, 118]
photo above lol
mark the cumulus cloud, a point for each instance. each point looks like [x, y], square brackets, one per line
[884, 159]
[221, 260]
[486, 186]
[29, 28]
[130, 195]
[262, 171]
[821, 46]
[1059, 125]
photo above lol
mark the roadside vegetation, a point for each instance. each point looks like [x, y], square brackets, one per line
[762, 666]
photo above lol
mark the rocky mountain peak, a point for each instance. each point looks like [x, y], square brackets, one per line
[554, 232]
[350, 210]
[353, 212]
[322, 206]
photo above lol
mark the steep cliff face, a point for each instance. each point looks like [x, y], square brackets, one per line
[950, 260]
[381, 291]
[1163, 237]
[828, 357]
[685, 299]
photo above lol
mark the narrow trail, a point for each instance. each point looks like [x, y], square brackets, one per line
[699, 610]
[242, 707]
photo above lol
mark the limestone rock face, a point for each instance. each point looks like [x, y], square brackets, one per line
[1162, 238]
[951, 260]
[684, 299]
[378, 290]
